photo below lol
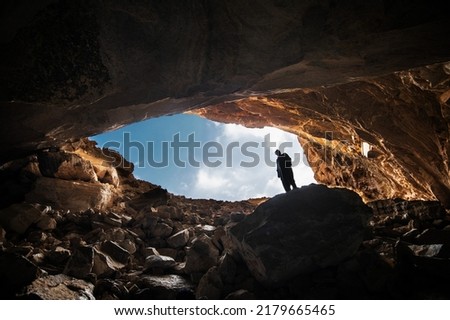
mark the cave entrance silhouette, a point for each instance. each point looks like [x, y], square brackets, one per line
[198, 158]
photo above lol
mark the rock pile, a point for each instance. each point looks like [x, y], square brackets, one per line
[149, 244]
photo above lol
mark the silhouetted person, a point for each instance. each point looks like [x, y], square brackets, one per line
[284, 170]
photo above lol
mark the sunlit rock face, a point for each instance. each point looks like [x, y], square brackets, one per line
[342, 67]
[403, 116]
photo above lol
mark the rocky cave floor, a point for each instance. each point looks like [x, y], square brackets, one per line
[154, 245]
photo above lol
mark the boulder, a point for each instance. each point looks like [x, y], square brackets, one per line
[67, 166]
[19, 217]
[104, 265]
[80, 263]
[106, 174]
[71, 195]
[16, 271]
[179, 239]
[161, 230]
[210, 285]
[115, 251]
[108, 289]
[59, 287]
[58, 256]
[46, 223]
[167, 287]
[202, 255]
[301, 231]
[227, 268]
[158, 263]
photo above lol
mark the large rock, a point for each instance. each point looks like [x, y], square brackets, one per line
[16, 272]
[60, 287]
[67, 166]
[19, 217]
[80, 263]
[210, 285]
[71, 195]
[301, 231]
[164, 287]
[202, 255]
[179, 239]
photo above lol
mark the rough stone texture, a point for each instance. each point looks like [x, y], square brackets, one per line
[104, 265]
[80, 263]
[303, 66]
[19, 217]
[301, 231]
[159, 262]
[202, 255]
[210, 285]
[59, 287]
[179, 239]
[115, 251]
[164, 287]
[15, 272]
[71, 195]
[46, 223]
[410, 145]
[67, 166]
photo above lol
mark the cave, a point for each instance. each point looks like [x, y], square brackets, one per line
[365, 86]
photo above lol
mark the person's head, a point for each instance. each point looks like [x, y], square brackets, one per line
[278, 152]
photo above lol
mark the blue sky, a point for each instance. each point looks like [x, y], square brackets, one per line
[199, 158]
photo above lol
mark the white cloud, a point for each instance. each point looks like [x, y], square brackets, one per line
[239, 182]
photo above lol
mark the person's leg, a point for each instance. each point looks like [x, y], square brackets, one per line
[286, 185]
[294, 186]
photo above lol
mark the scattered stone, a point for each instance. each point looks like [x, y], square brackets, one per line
[80, 263]
[46, 223]
[37, 237]
[58, 256]
[206, 229]
[161, 230]
[104, 265]
[59, 287]
[115, 251]
[210, 285]
[150, 251]
[240, 294]
[202, 255]
[179, 239]
[300, 231]
[16, 271]
[110, 289]
[158, 264]
[164, 212]
[128, 245]
[170, 252]
[19, 217]
[113, 219]
[165, 287]
[37, 258]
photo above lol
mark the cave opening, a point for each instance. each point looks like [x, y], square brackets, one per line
[203, 159]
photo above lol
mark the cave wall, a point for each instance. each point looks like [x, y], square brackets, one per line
[71, 69]
[404, 117]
